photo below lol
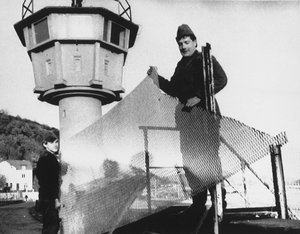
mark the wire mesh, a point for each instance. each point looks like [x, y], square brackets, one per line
[109, 182]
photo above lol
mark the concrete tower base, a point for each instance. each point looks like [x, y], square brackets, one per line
[77, 113]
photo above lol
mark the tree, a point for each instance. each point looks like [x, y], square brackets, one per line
[21, 138]
[111, 168]
[2, 181]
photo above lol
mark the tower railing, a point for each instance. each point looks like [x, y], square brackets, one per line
[27, 7]
[124, 7]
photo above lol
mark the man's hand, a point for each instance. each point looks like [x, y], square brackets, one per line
[192, 101]
[57, 204]
[152, 73]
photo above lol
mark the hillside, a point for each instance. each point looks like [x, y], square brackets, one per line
[21, 139]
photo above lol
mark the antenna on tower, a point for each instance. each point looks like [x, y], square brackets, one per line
[126, 9]
[27, 6]
[76, 3]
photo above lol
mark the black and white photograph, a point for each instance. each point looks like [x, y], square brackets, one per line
[150, 116]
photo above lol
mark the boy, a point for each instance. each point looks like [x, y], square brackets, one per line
[48, 172]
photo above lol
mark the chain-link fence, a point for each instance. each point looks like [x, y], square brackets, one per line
[146, 154]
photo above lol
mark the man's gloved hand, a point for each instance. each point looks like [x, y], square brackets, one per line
[152, 73]
[192, 101]
[57, 204]
[190, 104]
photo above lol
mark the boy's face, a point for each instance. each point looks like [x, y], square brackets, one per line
[52, 146]
[187, 46]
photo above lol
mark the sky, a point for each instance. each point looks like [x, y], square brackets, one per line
[257, 44]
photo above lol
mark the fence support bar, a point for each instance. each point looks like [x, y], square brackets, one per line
[279, 182]
[147, 162]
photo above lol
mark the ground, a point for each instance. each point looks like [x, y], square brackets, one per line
[16, 219]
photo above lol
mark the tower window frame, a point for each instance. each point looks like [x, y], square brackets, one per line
[118, 34]
[41, 30]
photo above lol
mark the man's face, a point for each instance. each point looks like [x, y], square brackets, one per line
[187, 46]
[52, 146]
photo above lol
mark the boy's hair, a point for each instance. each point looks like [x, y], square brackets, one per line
[50, 137]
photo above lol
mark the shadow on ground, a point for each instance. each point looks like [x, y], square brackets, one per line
[16, 219]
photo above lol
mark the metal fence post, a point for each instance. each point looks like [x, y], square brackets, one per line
[147, 164]
[243, 166]
[279, 182]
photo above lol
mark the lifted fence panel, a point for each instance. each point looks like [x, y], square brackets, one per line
[104, 186]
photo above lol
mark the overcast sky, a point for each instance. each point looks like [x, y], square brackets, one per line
[257, 43]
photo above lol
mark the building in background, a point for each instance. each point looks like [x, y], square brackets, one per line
[18, 174]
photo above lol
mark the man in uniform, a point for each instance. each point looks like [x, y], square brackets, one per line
[199, 131]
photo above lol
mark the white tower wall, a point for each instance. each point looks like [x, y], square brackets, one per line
[77, 113]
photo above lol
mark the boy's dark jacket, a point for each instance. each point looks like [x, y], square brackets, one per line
[48, 173]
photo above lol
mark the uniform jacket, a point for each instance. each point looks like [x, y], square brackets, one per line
[188, 80]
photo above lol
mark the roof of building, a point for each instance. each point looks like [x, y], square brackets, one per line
[19, 163]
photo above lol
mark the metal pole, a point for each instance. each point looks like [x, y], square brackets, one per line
[211, 107]
[239, 193]
[147, 159]
[147, 163]
[279, 182]
[243, 166]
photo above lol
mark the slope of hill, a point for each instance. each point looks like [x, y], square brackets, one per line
[21, 139]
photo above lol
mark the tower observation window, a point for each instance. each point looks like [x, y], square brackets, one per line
[117, 35]
[41, 31]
